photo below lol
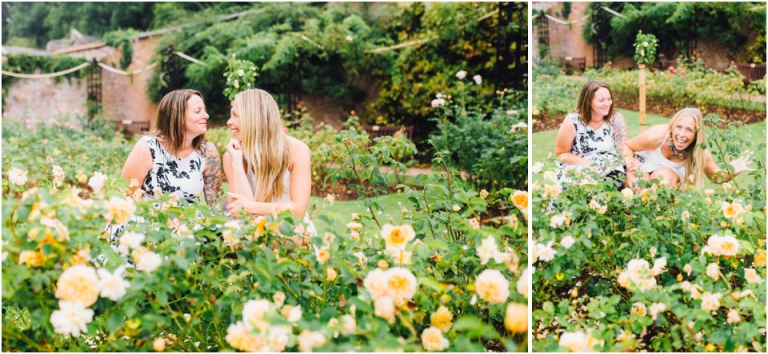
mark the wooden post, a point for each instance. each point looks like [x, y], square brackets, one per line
[642, 97]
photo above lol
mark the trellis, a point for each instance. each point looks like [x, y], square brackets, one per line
[543, 27]
[511, 65]
[94, 83]
[601, 25]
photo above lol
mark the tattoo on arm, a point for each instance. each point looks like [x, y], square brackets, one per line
[212, 176]
[620, 133]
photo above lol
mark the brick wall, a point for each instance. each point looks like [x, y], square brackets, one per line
[44, 100]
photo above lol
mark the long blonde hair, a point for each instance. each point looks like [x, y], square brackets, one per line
[694, 163]
[266, 147]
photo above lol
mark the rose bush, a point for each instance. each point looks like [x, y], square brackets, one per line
[658, 270]
[448, 275]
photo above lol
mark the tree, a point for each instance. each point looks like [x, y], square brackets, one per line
[45, 21]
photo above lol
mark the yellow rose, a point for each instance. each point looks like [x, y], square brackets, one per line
[397, 236]
[441, 319]
[158, 345]
[120, 210]
[520, 200]
[78, 284]
[31, 258]
[516, 319]
[323, 255]
[331, 274]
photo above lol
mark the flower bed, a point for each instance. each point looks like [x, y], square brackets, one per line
[440, 278]
[659, 270]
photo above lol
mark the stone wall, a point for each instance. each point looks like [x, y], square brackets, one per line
[45, 101]
[125, 99]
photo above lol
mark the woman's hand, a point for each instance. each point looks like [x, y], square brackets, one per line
[240, 203]
[742, 163]
[633, 164]
[235, 152]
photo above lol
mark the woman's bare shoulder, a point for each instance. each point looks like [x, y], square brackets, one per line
[298, 146]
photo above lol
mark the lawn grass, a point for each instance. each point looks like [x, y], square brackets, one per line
[544, 142]
[335, 217]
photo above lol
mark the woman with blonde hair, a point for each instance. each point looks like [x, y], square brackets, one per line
[592, 135]
[673, 152]
[267, 170]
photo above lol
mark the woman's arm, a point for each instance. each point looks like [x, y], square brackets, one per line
[235, 172]
[211, 174]
[647, 140]
[563, 143]
[620, 132]
[718, 175]
[138, 164]
[301, 187]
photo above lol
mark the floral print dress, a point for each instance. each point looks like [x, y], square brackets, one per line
[596, 145]
[183, 177]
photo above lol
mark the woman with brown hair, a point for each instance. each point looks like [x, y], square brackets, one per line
[592, 135]
[175, 157]
[669, 152]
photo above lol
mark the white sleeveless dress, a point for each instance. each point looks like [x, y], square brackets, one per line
[651, 160]
[286, 198]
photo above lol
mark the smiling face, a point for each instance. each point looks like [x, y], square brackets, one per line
[234, 121]
[684, 133]
[196, 118]
[601, 103]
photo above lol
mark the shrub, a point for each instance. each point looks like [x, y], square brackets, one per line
[488, 141]
[197, 272]
[619, 271]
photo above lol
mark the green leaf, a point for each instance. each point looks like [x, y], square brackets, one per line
[115, 320]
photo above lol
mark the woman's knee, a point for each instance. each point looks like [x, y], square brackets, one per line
[666, 174]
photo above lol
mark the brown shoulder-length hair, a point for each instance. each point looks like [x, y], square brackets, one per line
[584, 108]
[171, 124]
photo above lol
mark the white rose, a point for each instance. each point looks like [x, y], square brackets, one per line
[17, 176]
[148, 261]
[112, 285]
[545, 252]
[478, 79]
[567, 242]
[557, 221]
[751, 276]
[713, 271]
[97, 181]
[487, 249]
[432, 339]
[461, 74]
[658, 266]
[523, 283]
[656, 309]
[492, 286]
[71, 318]
[710, 302]
[536, 168]
[574, 341]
